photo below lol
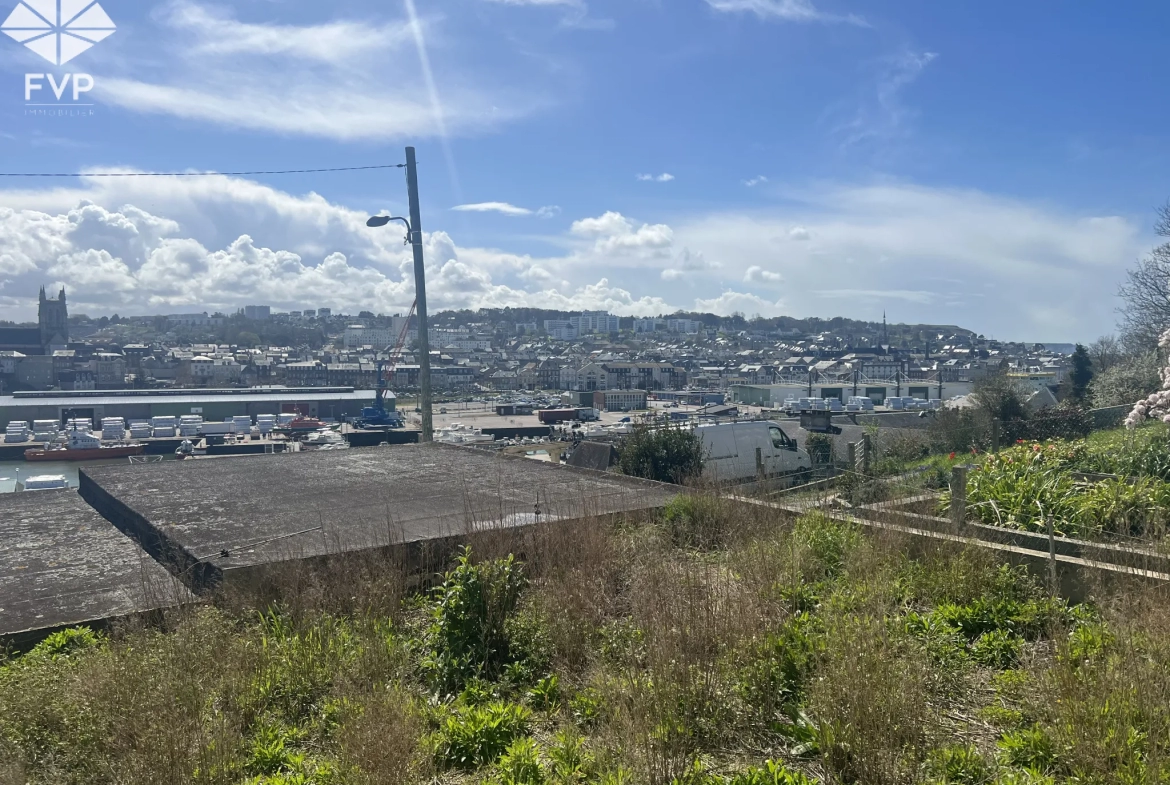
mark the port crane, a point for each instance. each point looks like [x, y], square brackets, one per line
[376, 416]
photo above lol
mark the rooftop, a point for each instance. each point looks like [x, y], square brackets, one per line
[61, 563]
[265, 509]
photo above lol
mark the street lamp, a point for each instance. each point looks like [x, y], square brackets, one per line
[414, 239]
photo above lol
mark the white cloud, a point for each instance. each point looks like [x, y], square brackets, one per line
[881, 114]
[300, 80]
[757, 180]
[997, 265]
[665, 177]
[492, 207]
[784, 10]
[731, 302]
[757, 274]
[548, 211]
[614, 233]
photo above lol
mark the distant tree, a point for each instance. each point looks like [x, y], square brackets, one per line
[1105, 353]
[1146, 293]
[1080, 375]
[664, 454]
[1001, 397]
[1128, 381]
[247, 339]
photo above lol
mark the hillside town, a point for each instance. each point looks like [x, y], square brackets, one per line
[500, 351]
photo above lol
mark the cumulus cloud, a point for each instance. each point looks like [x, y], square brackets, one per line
[665, 177]
[757, 274]
[1001, 266]
[731, 302]
[613, 233]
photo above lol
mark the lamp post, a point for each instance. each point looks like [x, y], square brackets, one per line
[414, 238]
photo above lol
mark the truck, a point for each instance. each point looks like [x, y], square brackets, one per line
[740, 452]
[555, 416]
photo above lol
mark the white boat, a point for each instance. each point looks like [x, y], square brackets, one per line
[326, 438]
[43, 482]
[458, 433]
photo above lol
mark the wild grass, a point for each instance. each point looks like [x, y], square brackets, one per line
[717, 644]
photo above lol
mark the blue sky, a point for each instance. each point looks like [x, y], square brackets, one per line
[993, 165]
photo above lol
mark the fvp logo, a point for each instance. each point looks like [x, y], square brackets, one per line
[58, 30]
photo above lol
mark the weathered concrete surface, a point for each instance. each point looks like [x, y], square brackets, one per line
[62, 564]
[206, 518]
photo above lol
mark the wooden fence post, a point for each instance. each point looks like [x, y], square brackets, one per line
[958, 495]
[866, 452]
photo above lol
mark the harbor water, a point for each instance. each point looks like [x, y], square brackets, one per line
[11, 471]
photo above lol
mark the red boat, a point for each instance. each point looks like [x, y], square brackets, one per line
[82, 446]
[305, 424]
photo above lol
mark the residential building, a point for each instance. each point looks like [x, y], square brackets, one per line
[561, 329]
[258, 313]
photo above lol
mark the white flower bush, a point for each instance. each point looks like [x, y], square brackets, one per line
[1157, 404]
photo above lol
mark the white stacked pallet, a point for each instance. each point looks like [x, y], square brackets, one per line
[16, 432]
[140, 429]
[113, 429]
[164, 426]
[265, 423]
[189, 425]
[83, 424]
[46, 426]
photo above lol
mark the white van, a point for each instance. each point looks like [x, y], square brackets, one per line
[747, 451]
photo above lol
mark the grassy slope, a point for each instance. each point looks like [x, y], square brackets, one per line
[693, 648]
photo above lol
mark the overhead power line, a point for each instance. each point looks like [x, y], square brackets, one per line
[199, 174]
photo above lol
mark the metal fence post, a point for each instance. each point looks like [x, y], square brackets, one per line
[1052, 583]
[958, 495]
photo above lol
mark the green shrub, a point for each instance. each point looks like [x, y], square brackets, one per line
[520, 764]
[667, 454]
[65, 643]
[958, 765]
[771, 773]
[468, 635]
[695, 521]
[1028, 748]
[827, 539]
[568, 760]
[997, 649]
[1087, 644]
[546, 693]
[472, 736]
[587, 707]
[771, 680]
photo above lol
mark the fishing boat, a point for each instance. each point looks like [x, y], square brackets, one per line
[82, 446]
[43, 482]
[303, 425]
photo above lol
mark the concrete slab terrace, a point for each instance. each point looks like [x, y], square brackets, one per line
[207, 518]
[62, 564]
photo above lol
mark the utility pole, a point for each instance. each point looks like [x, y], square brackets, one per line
[420, 292]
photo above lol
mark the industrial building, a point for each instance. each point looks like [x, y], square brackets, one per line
[213, 405]
[619, 400]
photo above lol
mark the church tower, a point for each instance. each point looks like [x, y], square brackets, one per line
[53, 319]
